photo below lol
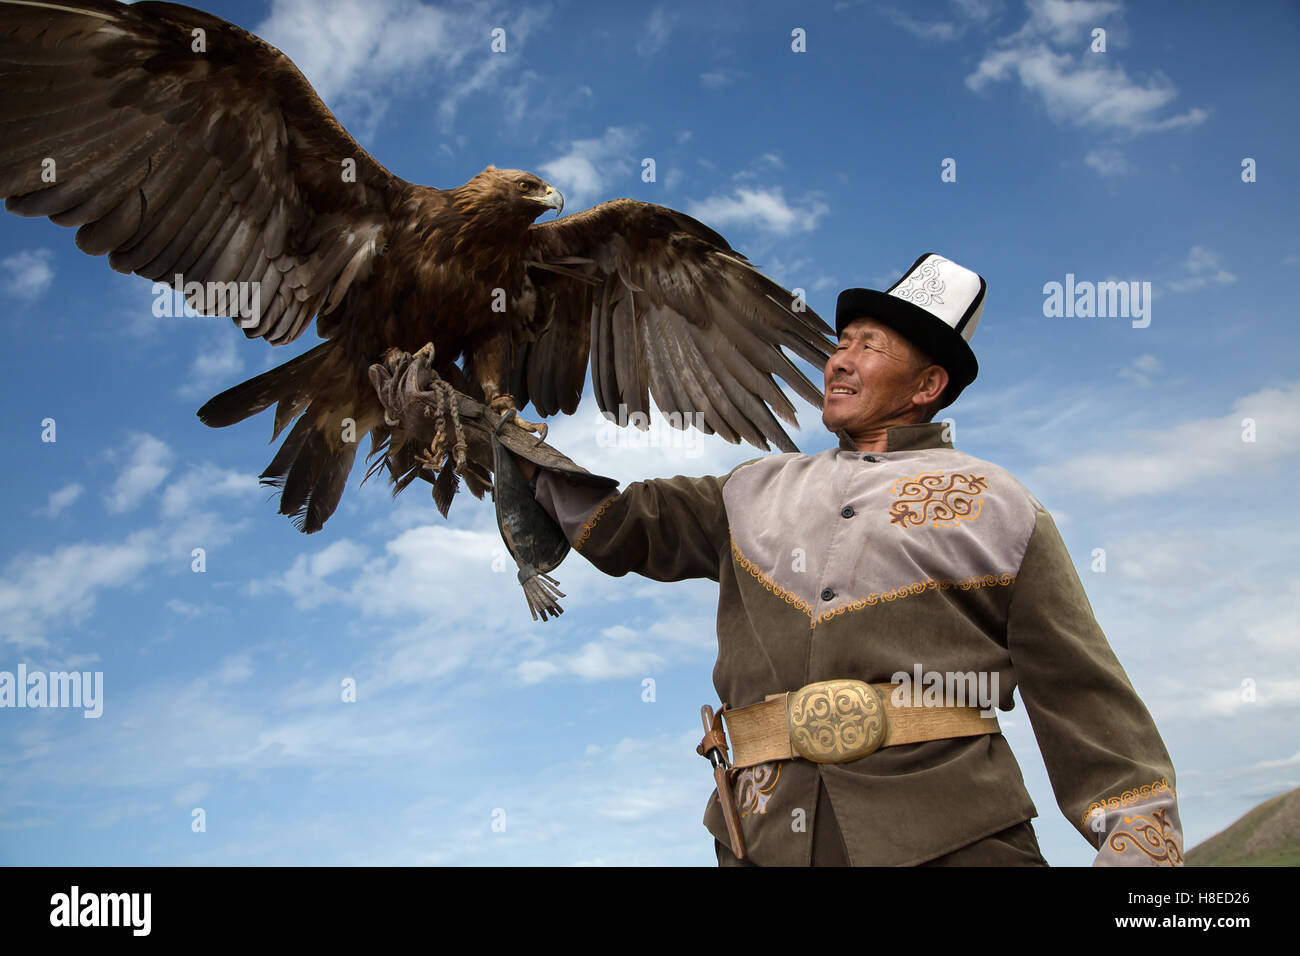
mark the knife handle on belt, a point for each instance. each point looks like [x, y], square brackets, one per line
[714, 747]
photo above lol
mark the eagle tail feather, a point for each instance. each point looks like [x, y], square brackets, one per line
[289, 385]
[311, 472]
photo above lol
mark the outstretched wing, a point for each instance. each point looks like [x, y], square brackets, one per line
[664, 305]
[181, 144]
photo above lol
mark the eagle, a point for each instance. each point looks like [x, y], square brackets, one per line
[195, 154]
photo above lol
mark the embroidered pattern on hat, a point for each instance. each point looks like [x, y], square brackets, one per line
[923, 286]
[944, 500]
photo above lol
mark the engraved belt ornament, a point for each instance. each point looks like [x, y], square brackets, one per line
[836, 721]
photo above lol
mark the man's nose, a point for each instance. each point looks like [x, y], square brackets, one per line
[838, 362]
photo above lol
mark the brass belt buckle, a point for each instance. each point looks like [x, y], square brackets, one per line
[835, 721]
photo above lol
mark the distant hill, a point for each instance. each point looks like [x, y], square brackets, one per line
[1269, 835]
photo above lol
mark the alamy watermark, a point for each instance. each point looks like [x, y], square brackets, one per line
[1103, 300]
[671, 430]
[129, 910]
[84, 689]
[946, 689]
[239, 300]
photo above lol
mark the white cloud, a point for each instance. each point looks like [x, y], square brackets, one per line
[588, 170]
[343, 45]
[61, 499]
[215, 365]
[964, 14]
[654, 37]
[235, 669]
[203, 482]
[336, 557]
[355, 52]
[977, 9]
[762, 165]
[190, 794]
[1068, 21]
[717, 79]
[925, 29]
[1141, 369]
[593, 661]
[184, 608]
[147, 467]
[28, 274]
[1187, 454]
[25, 823]
[1075, 85]
[1087, 93]
[1108, 162]
[39, 591]
[763, 209]
[1203, 268]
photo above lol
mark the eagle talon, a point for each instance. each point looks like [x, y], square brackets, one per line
[506, 416]
[505, 406]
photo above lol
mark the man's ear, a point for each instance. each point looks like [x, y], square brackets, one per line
[933, 385]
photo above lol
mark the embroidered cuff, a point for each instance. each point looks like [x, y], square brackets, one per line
[1138, 828]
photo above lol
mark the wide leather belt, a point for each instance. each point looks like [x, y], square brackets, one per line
[836, 721]
[831, 721]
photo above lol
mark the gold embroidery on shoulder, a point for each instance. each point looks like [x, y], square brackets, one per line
[766, 581]
[944, 500]
[1127, 799]
[590, 522]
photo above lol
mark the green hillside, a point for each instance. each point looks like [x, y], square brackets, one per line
[1268, 835]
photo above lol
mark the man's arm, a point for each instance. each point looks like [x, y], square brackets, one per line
[1109, 768]
[668, 529]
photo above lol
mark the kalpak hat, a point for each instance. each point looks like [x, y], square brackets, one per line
[935, 306]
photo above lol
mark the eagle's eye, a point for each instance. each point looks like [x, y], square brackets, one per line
[525, 185]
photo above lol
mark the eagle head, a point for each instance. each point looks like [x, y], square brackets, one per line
[511, 194]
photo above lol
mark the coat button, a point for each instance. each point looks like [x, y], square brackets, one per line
[827, 594]
[847, 511]
[870, 458]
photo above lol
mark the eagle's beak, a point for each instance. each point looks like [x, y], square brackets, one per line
[553, 199]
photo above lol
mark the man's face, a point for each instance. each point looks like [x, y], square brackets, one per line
[881, 371]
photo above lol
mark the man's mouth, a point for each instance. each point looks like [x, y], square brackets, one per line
[842, 390]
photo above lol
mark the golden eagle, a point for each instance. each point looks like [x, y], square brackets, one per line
[187, 148]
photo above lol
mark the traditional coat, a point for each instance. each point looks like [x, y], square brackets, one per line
[848, 564]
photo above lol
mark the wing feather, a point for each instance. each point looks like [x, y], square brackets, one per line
[220, 165]
[675, 314]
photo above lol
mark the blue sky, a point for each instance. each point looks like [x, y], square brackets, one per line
[222, 688]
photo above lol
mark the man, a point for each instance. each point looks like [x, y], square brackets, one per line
[893, 560]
